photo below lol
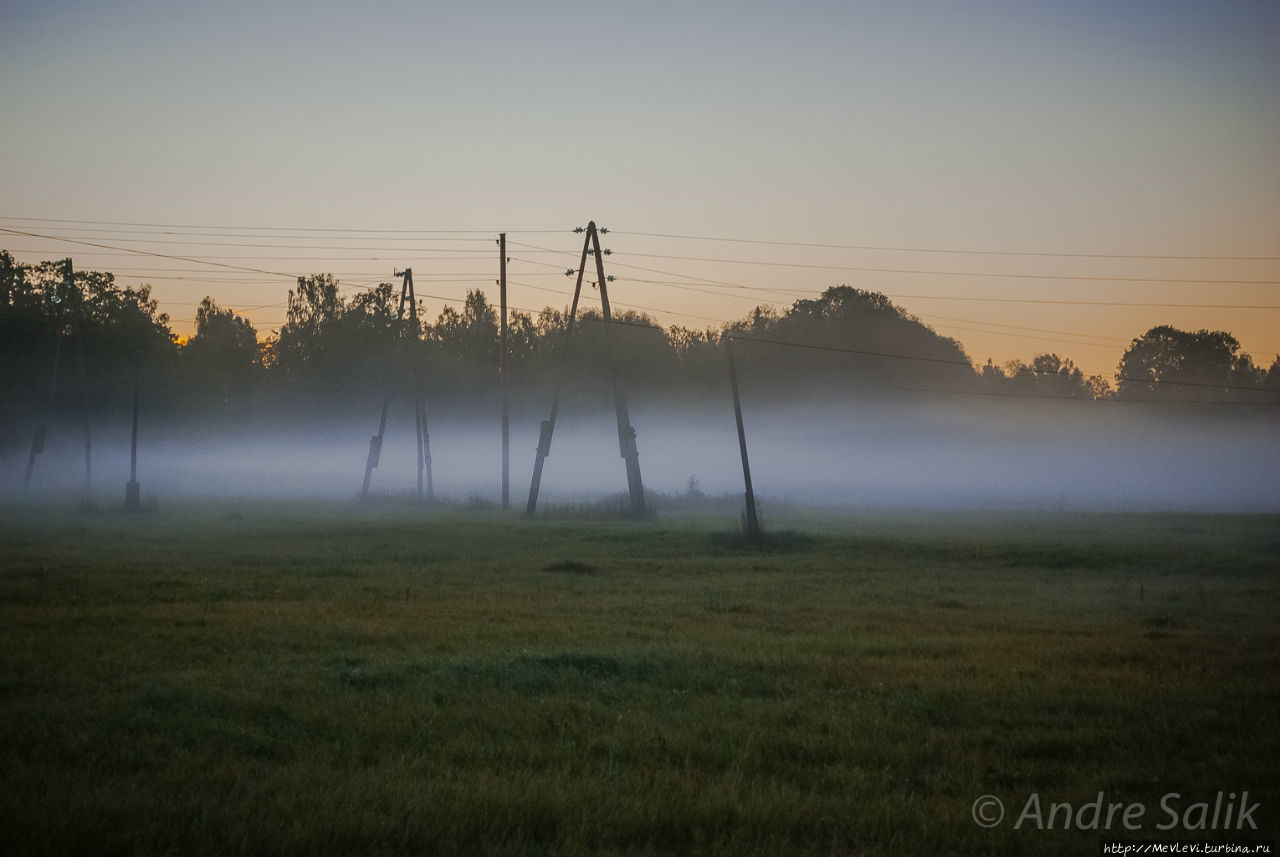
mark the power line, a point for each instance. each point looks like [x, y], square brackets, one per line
[1079, 340]
[1109, 339]
[150, 253]
[686, 286]
[919, 358]
[308, 258]
[1049, 254]
[628, 306]
[1028, 336]
[453, 278]
[201, 279]
[366, 274]
[1035, 397]
[406, 250]
[613, 263]
[899, 295]
[861, 269]
[733, 285]
[284, 228]
[338, 237]
[666, 235]
[973, 368]
[1079, 303]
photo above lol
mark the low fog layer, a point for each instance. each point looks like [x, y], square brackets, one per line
[968, 453]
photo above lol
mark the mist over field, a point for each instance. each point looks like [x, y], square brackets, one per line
[904, 453]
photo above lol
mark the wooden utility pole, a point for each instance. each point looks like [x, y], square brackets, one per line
[424, 437]
[502, 372]
[626, 433]
[419, 409]
[87, 498]
[753, 520]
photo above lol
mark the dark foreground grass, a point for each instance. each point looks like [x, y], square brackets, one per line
[324, 679]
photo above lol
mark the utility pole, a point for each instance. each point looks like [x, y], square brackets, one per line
[753, 521]
[419, 409]
[502, 372]
[626, 433]
[86, 499]
[419, 395]
[424, 437]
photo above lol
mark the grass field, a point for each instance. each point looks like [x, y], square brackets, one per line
[386, 679]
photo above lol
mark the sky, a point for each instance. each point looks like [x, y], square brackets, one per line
[360, 139]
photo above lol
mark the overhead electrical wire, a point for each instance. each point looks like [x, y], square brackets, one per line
[1029, 336]
[311, 257]
[1034, 253]
[994, 393]
[286, 228]
[723, 283]
[1109, 339]
[1061, 254]
[613, 262]
[734, 285]
[150, 253]
[407, 250]
[339, 237]
[688, 282]
[428, 274]
[1086, 303]
[614, 302]
[1078, 342]
[919, 358]
[1018, 276]
[859, 352]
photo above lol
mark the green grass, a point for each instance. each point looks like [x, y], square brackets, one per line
[388, 679]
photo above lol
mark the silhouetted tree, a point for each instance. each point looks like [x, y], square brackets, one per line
[1166, 362]
[893, 347]
[1271, 381]
[350, 346]
[1048, 375]
[701, 360]
[224, 357]
[469, 339]
[336, 345]
[92, 316]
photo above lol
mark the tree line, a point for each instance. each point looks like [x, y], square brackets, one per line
[340, 348]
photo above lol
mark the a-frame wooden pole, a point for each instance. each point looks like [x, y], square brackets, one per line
[549, 425]
[375, 442]
[626, 433]
[502, 372]
[419, 395]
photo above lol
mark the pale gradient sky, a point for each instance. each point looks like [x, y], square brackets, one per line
[1083, 127]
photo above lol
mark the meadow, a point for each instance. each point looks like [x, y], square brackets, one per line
[388, 678]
